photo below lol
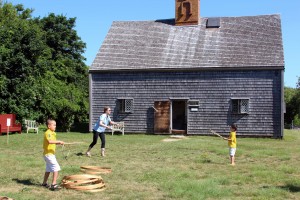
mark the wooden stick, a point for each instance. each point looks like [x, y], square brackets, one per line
[7, 141]
[217, 134]
[71, 143]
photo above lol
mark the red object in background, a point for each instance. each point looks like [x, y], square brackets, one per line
[14, 127]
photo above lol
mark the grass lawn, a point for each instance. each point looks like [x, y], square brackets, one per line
[145, 167]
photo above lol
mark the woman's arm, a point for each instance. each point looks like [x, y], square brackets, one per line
[112, 122]
[102, 124]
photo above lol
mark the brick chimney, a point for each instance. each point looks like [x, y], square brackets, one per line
[187, 12]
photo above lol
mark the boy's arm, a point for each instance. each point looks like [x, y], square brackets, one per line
[50, 140]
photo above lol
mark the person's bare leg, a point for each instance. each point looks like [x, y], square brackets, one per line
[55, 176]
[46, 176]
[232, 160]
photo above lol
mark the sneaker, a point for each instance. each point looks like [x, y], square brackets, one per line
[103, 152]
[54, 187]
[45, 185]
[88, 154]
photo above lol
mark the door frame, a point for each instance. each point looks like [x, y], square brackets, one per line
[186, 100]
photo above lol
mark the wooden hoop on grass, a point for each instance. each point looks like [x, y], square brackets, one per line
[82, 177]
[84, 182]
[95, 170]
[6, 198]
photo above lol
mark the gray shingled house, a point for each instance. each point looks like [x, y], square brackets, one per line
[161, 78]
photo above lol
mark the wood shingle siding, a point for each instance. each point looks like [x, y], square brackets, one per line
[213, 89]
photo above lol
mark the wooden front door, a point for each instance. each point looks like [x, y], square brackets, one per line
[162, 117]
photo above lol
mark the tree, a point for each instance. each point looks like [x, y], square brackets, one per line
[22, 52]
[69, 89]
[289, 94]
[292, 100]
[296, 102]
[42, 70]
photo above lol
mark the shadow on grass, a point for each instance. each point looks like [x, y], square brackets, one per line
[24, 182]
[10, 133]
[290, 188]
[287, 187]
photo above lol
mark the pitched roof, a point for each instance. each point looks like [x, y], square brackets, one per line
[240, 42]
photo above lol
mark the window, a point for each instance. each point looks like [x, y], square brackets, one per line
[213, 23]
[194, 103]
[125, 105]
[240, 106]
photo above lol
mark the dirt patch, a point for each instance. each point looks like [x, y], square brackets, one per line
[174, 138]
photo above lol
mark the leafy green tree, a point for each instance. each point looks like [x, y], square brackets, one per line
[62, 38]
[289, 94]
[69, 89]
[42, 70]
[292, 100]
[22, 51]
[296, 102]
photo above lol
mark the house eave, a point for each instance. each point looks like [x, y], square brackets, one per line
[248, 68]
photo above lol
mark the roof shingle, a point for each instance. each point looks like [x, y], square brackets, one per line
[240, 42]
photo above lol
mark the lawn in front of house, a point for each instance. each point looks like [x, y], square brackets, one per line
[146, 167]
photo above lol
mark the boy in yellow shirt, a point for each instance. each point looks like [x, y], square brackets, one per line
[232, 143]
[49, 155]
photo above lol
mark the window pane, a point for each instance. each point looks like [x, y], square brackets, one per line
[128, 105]
[235, 105]
[244, 105]
[194, 103]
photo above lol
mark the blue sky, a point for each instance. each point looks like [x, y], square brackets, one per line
[94, 18]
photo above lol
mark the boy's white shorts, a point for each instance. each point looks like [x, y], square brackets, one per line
[51, 163]
[232, 151]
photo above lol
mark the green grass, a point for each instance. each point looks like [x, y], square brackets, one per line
[145, 167]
